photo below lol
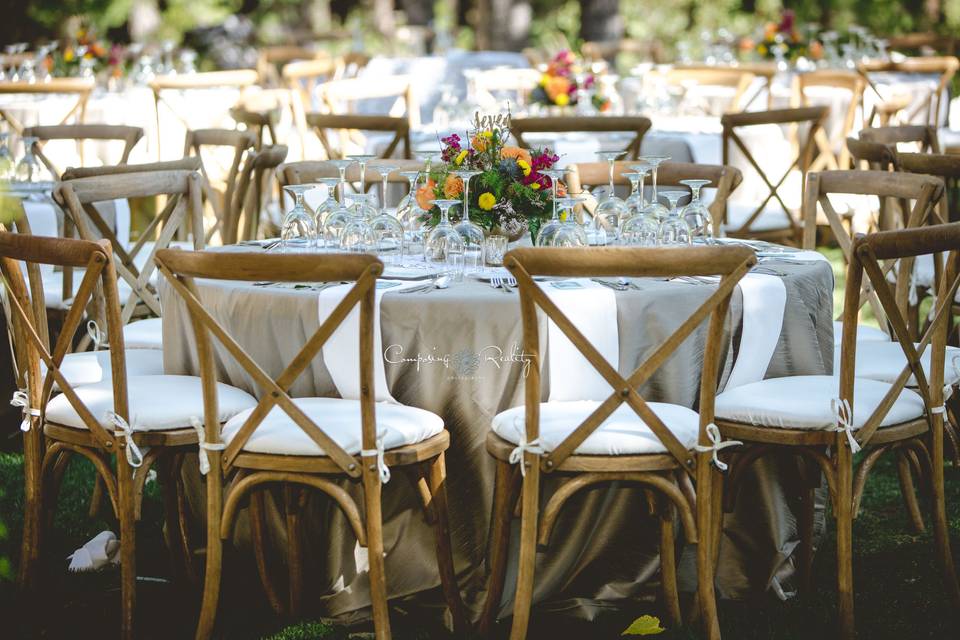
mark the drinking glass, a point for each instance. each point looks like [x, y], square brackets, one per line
[329, 205]
[338, 213]
[357, 235]
[612, 209]
[445, 245]
[408, 210]
[298, 231]
[493, 249]
[341, 165]
[29, 169]
[570, 233]
[655, 208]
[637, 201]
[549, 229]
[696, 214]
[362, 159]
[387, 230]
[384, 169]
[673, 228]
[471, 232]
[6, 158]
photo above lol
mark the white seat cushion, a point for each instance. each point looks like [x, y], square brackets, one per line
[884, 361]
[803, 402]
[399, 424]
[90, 367]
[156, 403]
[864, 334]
[623, 433]
[144, 334]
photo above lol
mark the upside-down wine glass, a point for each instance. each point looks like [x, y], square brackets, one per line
[387, 230]
[362, 159]
[655, 208]
[549, 229]
[637, 201]
[330, 204]
[341, 165]
[697, 215]
[612, 209]
[471, 232]
[357, 235]
[409, 211]
[298, 231]
[570, 233]
[339, 214]
[673, 229]
[638, 229]
[445, 245]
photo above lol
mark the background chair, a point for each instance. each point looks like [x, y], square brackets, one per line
[636, 126]
[80, 133]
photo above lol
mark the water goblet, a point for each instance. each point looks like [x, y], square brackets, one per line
[387, 230]
[357, 234]
[549, 228]
[330, 204]
[673, 228]
[341, 165]
[655, 208]
[445, 245]
[29, 169]
[409, 212]
[472, 232]
[696, 214]
[384, 169]
[362, 159]
[637, 201]
[610, 211]
[570, 233]
[299, 230]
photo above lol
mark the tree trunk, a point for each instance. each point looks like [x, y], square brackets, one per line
[383, 17]
[600, 20]
[503, 25]
[419, 12]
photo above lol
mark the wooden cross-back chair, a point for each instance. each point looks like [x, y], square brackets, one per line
[664, 473]
[80, 133]
[94, 420]
[669, 174]
[240, 79]
[635, 125]
[271, 60]
[302, 78]
[80, 88]
[812, 119]
[183, 192]
[924, 191]
[927, 110]
[183, 164]
[831, 150]
[943, 165]
[220, 197]
[243, 221]
[260, 122]
[239, 469]
[824, 420]
[737, 80]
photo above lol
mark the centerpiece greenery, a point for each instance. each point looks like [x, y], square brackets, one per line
[509, 196]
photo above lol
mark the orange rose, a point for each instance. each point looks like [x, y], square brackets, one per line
[479, 143]
[561, 189]
[452, 186]
[816, 50]
[516, 153]
[556, 86]
[425, 195]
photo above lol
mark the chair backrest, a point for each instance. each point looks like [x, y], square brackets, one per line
[184, 164]
[944, 166]
[924, 136]
[925, 191]
[129, 136]
[737, 81]
[247, 203]
[830, 138]
[869, 254]
[182, 268]
[28, 317]
[259, 122]
[348, 128]
[730, 263]
[216, 144]
[81, 88]
[301, 78]
[183, 191]
[724, 179]
[809, 118]
[635, 125]
[271, 59]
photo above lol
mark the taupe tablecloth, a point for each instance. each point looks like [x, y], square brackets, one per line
[604, 547]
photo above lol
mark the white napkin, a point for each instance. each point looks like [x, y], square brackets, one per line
[96, 554]
[592, 308]
[764, 301]
[341, 352]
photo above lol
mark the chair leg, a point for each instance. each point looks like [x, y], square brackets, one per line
[96, 497]
[292, 497]
[28, 577]
[907, 490]
[258, 540]
[377, 572]
[504, 498]
[705, 519]
[668, 565]
[441, 527]
[214, 562]
[843, 513]
[941, 535]
[529, 517]
[128, 546]
[171, 517]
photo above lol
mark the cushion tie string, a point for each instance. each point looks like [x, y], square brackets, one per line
[22, 400]
[134, 456]
[205, 446]
[717, 444]
[382, 467]
[844, 417]
[96, 334]
[534, 447]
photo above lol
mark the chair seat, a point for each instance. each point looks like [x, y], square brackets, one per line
[623, 433]
[399, 425]
[884, 361]
[144, 334]
[864, 334]
[90, 367]
[157, 403]
[804, 402]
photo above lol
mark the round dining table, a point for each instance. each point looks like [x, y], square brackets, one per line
[458, 352]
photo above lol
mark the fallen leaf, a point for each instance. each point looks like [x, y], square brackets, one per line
[644, 626]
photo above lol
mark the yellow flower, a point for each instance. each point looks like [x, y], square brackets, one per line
[544, 79]
[460, 157]
[487, 134]
[486, 201]
[535, 186]
[68, 55]
[524, 166]
[562, 100]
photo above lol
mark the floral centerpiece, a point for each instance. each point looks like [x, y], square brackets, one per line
[509, 196]
[782, 40]
[559, 85]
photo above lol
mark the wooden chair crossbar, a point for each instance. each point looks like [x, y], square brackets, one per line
[637, 125]
[79, 87]
[80, 133]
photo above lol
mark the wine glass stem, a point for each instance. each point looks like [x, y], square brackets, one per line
[643, 200]
[343, 186]
[444, 214]
[611, 178]
[466, 200]
[553, 182]
[655, 198]
[383, 193]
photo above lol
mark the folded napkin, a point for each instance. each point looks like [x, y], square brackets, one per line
[764, 302]
[96, 554]
[341, 352]
[592, 308]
